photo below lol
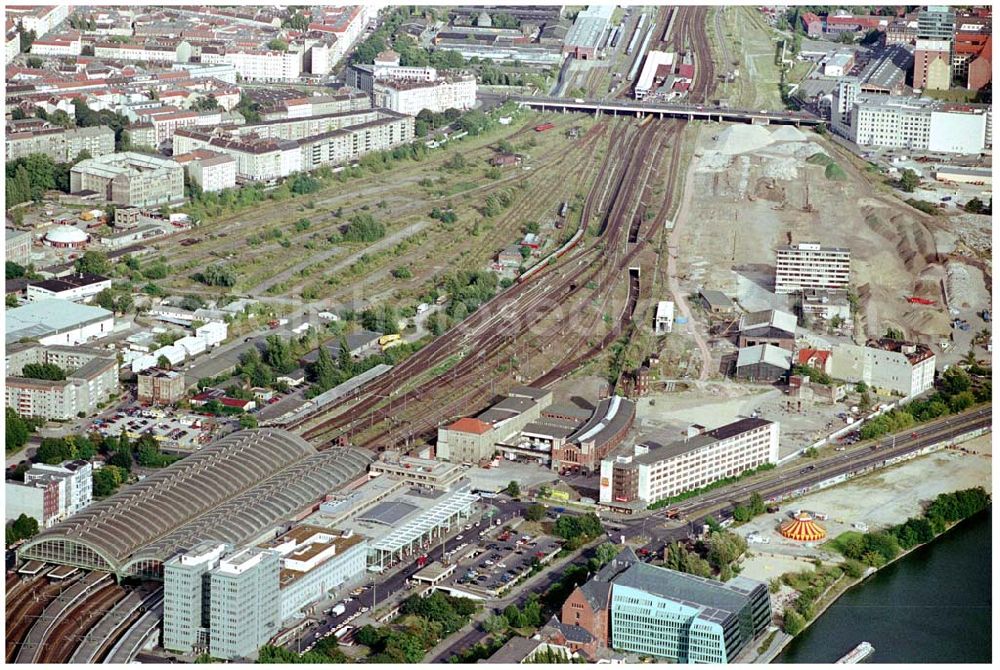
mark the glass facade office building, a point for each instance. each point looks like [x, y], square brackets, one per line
[687, 619]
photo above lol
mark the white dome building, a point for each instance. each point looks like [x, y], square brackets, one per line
[66, 237]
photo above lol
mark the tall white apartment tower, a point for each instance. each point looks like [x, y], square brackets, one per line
[810, 265]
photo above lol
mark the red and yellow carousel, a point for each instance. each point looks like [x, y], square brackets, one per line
[802, 528]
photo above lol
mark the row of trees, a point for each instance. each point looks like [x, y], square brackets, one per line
[955, 393]
[49, 371]
[22, 528]
[811, 584]
[880, 547]
[28, 178]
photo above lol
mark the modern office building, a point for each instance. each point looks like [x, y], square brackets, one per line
[648, 472]
[810, 265]
[129, 178]
[672, 615]
[419, 472]
[91, 377]
[187, 613]
[245, 609]
[936, 22]
[62, 144]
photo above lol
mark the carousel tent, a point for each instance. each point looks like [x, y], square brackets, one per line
[803, 529]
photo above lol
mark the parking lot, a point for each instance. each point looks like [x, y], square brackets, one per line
[184, 432]
[490, 566]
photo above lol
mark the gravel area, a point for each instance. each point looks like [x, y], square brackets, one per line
[888, 497]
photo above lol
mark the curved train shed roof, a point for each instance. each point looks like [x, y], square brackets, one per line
[230, 491]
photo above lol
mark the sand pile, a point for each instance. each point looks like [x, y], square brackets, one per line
[962, 283]
[741, 139]
[780, 168]
[788, 134]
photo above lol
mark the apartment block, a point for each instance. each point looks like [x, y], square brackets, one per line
[78, 483]
[211, 170]
[245, 609]
[62, 144]
[91, 377]
[39, 500]
[39, 19]
[50, 493]
[79, 287]
[409, 90]
[66, 44]
[129, 178]
[148, 52]
[260, 65]
[651, 472]
[810, 265]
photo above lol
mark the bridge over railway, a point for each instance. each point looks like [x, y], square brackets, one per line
[663, 110]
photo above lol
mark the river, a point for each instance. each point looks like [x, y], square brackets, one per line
[932, 606]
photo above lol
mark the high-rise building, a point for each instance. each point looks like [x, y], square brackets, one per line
[245, 603]
[932, 64]
[810, 265]
[187, 597]
[897, 122]
[937, 22]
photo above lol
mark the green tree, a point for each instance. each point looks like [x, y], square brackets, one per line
[954, 381]
[534, 512]
[908, 180]
[513, 489]
[16, 430]
[323, 371]
[49, 371]
[974, 206]
[217, 275]
[107, 480]
[54, 450]
[794, 623]
[494, 623]
[93, 262]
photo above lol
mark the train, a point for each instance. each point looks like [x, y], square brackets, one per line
[543, 127]
[561, 251]
[636, 35]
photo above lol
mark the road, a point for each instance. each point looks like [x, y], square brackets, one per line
[383, 589]
[790, 480]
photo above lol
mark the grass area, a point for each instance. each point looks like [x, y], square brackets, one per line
[838, 543]
[835, 173]
[750, 47]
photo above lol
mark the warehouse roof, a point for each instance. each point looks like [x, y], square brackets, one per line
[48, 317]
[229, 491]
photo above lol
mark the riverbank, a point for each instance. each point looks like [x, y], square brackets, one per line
[896, 600]
[845, 584]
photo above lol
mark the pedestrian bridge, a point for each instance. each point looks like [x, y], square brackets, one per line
[663, 110]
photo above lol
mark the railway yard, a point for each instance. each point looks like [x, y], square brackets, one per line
[631, 211]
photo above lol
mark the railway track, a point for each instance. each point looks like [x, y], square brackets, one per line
[490, 321]
[588, 264]
[71, 628]
[24, 604]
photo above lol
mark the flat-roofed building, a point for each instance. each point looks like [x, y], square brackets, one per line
[91, 378]
[210, 170]
[932, 64]
[53, 322]
[17, 246]
[245, 610]
[160, 387]
[133, 179]
[186, 597]
[897, 122]
[895, 366]
[664, 317]
[420, 472]
[584, 39]
[316, 562]
[662, 613]
[810, 265]
[79, 287]
[65, 44]
[648, 472]
[471, 440]
[62, 144]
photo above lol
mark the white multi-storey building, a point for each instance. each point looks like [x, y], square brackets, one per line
[211, 170]
[12, 43]
[648, 474]
[91, 378]
[62, 144]
[899, 367]
[67, 44]
[896, 122]
[39, 19]
[147, 52]
[408, 90]
[78, 483]
[316, 562]
[810, 265]
[261, 65]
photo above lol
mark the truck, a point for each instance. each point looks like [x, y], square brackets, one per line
[673, 513]
[338, 609]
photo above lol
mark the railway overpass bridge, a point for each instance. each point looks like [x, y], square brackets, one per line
[663, 110]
